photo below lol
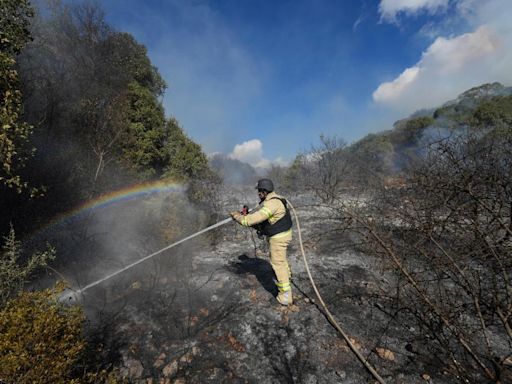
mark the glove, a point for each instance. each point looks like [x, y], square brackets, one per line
[235, 215]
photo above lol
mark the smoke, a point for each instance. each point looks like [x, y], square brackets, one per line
[93, 244]
[233, 171]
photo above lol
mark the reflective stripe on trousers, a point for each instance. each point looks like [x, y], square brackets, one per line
[278, 249]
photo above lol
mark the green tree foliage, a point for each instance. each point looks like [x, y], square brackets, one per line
[144, 139]
[13, 271]
[373, 154]
[292, 180]
[494, 113]
[184, 158]
[90, 89]
[185, 161]
[130, 58]
[390, 151]
[14, 133]
[409, 132]
[40, 339]
[93, 94]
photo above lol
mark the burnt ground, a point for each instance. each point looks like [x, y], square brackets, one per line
[206, 313]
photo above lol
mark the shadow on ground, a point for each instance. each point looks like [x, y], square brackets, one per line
[260, 268]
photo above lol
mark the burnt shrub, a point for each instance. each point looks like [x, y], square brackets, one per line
[445, 234]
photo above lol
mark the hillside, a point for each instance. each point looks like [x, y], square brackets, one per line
[482, 108]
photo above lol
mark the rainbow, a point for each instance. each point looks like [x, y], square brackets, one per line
[128, 193]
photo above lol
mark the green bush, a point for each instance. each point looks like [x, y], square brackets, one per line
[14, 273]
[14, 133]
[40, 339]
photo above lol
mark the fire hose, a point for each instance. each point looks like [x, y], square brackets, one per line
[75, 294]
[327, 313]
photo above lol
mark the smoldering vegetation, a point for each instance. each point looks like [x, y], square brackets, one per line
[157, 307]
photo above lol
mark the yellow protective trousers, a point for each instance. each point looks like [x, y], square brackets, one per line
[278, 247]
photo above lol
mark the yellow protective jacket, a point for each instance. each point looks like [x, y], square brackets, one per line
[272, 210]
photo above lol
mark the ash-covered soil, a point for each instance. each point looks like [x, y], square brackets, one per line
[206, 313]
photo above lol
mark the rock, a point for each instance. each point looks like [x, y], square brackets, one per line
[342, 374]
[134, 368]
[170, 369]
[425, 377]
[196, 351]
[253, 296]
[385, 354]
[181, 380]
[160, 360]
[234, 343]
[310, 379]
[186, 358]
[204, 312]
[193, 320]
[355, 343]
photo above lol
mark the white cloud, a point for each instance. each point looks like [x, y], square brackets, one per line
[451, 65]
[251, 152]
[389, 9]
[445, 57]
[390, 91]
[450, 55]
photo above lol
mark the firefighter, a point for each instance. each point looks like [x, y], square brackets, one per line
[274, 221]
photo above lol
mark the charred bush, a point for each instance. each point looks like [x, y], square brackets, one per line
[322, 170]
[446, 235]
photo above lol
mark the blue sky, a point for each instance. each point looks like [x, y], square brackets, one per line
[261, 80]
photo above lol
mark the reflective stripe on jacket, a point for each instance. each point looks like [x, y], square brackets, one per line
[272, 210]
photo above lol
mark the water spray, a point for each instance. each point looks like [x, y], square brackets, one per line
[73, 296]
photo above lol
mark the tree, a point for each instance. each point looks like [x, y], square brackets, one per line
[324, 168]
[184, 158]
[143, 142]
[14, 133]
[372, 157]
[92, 93]
[493, 113]
[277, 174]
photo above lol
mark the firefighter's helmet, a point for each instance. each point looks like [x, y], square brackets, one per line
[265, 184]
